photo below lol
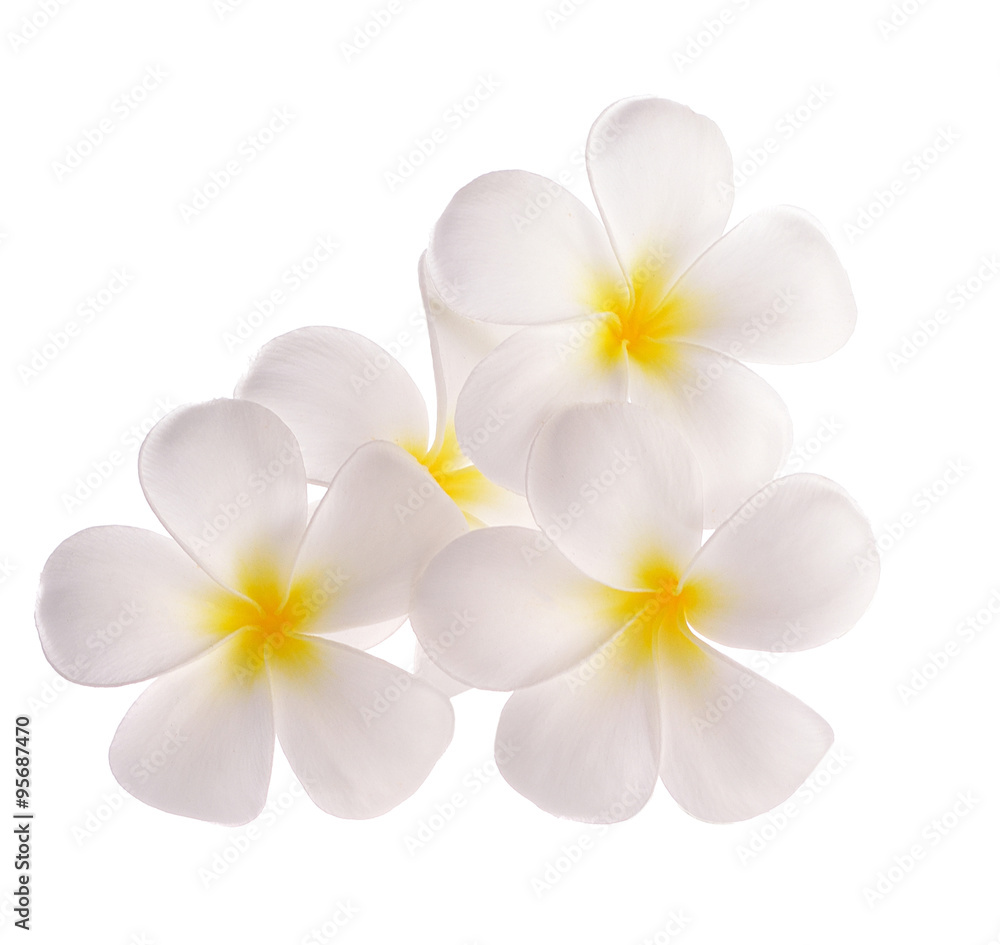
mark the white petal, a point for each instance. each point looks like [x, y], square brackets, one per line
[118, 605]
[430, 672]
[618, 490]
[501, 608]
[360, 734]
[734, 744]
[197, 743]
[457, 345]
[794, 568]
[493, 505]
[364, 638]
[517, 249]
[585, 745]
[226, 480]
[382, 519]
[336, 390]
[771, 290]
[737, 425]
[663, 179]
[521, 384]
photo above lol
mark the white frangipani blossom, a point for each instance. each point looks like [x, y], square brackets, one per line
[648, 303]
[600, 621]
[252, 615]
[337, 390]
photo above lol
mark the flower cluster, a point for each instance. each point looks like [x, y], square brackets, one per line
[594, 419]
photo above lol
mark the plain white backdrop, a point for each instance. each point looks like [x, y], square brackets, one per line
[129, 274]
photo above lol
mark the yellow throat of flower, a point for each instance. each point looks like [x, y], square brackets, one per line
[654, 624]
[643, 322]
[462, 482]
[266, 627]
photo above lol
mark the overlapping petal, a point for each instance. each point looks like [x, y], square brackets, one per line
[795, 567]
[585, 744]
[501, 608]
[197, 743]
[364, 638]
[518, 249]
[336, 390]
[662, 176]
[618, 490]
[525, 380]
[360, 734]
[226, 479]
[426, 669]
[457, 345]
[736, 424]
[381, 521]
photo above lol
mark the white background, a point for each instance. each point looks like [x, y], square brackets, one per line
[108, 869]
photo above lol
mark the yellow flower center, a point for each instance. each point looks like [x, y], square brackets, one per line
[653, 621]
[642, 321]
[266, 627]
[462, 482]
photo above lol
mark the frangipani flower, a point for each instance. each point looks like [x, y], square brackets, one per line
[600, 621]
[337, 390]
[251, 616]
[649, 303]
